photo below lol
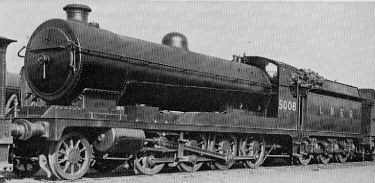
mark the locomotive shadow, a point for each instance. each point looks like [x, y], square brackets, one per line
[120, 172]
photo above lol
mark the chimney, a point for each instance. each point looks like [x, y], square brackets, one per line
[4, 42]
[77, 12]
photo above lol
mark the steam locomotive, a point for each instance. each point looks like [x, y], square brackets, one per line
[111, 100]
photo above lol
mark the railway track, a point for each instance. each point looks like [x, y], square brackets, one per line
[276, 172]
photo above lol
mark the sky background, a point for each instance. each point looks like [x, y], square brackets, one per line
[335, 39]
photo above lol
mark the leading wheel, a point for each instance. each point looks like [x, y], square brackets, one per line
[70, 157]
[252, 147]
[226, 145]
[198, 141]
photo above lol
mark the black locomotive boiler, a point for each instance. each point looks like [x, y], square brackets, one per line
[113, 100]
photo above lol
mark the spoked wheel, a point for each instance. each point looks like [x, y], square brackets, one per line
[25, 167]
[341, 158]
[252, 147]
[322, 158]
[70, 157]
[304, 159]
[198, 141]
[145, 164]
[226, 145]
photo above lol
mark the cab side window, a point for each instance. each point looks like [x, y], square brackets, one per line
[272, 71]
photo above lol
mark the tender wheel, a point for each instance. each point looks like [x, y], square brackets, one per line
[70, 157]
[224, 145]
[252, 147]
[25, 167]
[322, 158]
[198, 141]
[304, 159]
[145, 164]
[341, 158]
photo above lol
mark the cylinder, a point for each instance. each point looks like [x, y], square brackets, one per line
[23, 129]
[119, 141]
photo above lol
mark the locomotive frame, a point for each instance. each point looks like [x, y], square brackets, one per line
[297, 115]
